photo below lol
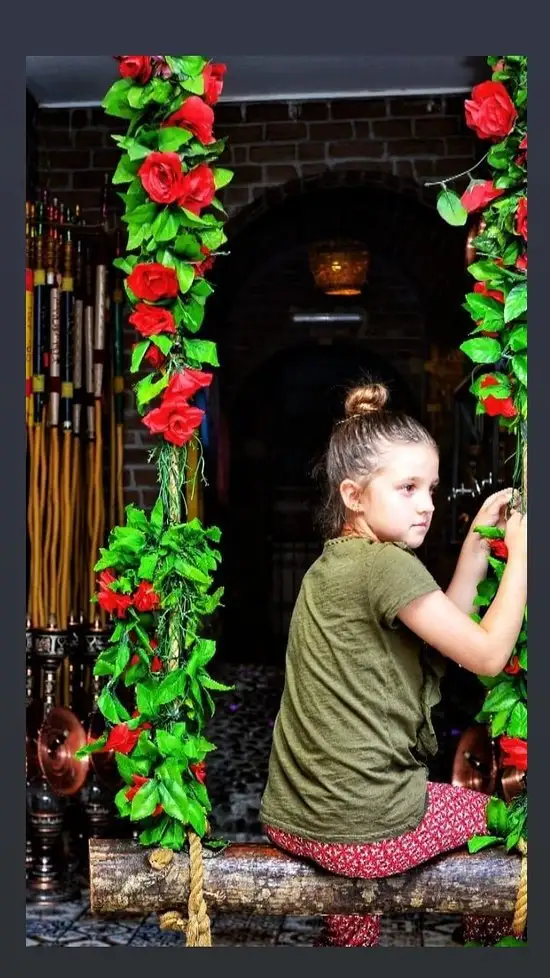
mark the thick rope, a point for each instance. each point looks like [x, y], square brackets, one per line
[520, 912]
[197, 927]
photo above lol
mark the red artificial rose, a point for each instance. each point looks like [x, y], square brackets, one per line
[521, 263]
[152, 320]
[513, 666]
[155, 357]
[186, 383]
[135, 660]
[175, 420]
[480, 288]
[146, 598]
[494, 406]
[196, 116]
[161, 176]
[158, 810]
[521, 218]
[152, 281]
[156, 664]
[498, 549]
[490, 112]
[199, 770]
[198, 189]
[138, 782]
[213, 82]
[513, 752]
[521, 159]
[111, 601]
[202, 267]
[136, 66]
[153, 643]
[479, 194]
[122, 739]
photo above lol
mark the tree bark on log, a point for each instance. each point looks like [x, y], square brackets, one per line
[260, 879]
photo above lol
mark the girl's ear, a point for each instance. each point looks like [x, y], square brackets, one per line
[351, 495]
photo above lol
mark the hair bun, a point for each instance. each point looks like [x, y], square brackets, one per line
[366, 400]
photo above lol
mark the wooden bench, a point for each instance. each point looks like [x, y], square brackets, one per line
[259, 879]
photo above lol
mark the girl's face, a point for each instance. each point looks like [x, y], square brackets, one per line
[397, 504]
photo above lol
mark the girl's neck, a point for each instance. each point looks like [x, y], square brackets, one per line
[358, 528]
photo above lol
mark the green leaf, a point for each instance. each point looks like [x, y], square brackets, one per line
[146, 699]
[191, 573]
[136, 518]
[482, 350]
[210, 683]
[107, 703]
[497, 815]
[499, 157]
[187, 246]
[170, 770]
[138, 354]
[174, 836]
[194, 85]
[170, 746]
[196, 816]
[156, 519]
[503, 696]
[519, 366]
[127, 538]
[517, 722]
[148, 388]
[516, 302]
[145, 748]
[116, 99]
[164, 343]
[92, 748]
[482, 841]
[165, 226]
[172, 686]
[155, 833]
[221, 177]
[450, 208]
[128, 766]
[147, 567]
[174, 800]
[518, 338]
[186, 275]
[483, 271]
[122, 659]
[145, 801]
[125, 171]
[172, 138]
[213, 239]
[122, 803]
[201, 351]
[141, 214]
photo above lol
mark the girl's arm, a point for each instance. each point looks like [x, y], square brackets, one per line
[483, 648]
[471, 566]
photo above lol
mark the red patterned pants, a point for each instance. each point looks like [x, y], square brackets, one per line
[453, 816]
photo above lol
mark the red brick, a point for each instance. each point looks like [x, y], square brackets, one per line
[244, 134]
[70, 160]
[145, 475]
[53, 119]
[267, 112]
[106, 159]
[403, 168]
[372, 108]
[389, 128]
[365, 166]
[226, 113]
[286, 130]
[311, 169]
[330, 130]
[417, 147]
[355, 148]
[272, 153]
[247, 174]
[86, 180]
[236, 195]
[92, 139]
[461, 146]
[55, 139]
[279, 174]
[310, 111]
[436, 125]
[311, 151]
[413, 105]
[239, 154]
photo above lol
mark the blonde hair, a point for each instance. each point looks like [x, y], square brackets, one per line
[357, 444]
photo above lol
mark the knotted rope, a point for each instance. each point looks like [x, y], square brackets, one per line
[520, 912]
[197, 926]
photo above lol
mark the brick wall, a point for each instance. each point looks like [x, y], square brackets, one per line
[273, 146]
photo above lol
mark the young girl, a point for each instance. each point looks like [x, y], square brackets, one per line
[347, 784]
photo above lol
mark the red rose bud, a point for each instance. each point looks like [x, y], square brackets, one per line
[521, 218]
[213, 82]
[521, 263]
[513, 666]
[146, 598]
[156, 664]
[152, 281]
[480, 288]
[202, 267]
[158, 811]
[479, 194]
[135, 660]
[153, 643]
[186, 383]
[111, 601]
[498, 549]
[136, 66]
[155, 357]
[523, 144]
[198, 190]
[176, 421]
[195, 116]
[513, 752]
[199, 770]
[122, 739]
[152, 320]
[490, 112]
[161, 176]
[495, 406]
[137, 782]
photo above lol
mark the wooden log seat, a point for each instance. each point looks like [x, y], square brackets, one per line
[260, 879]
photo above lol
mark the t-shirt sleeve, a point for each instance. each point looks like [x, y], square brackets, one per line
[397, 577]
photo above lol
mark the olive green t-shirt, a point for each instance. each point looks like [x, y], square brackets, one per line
[354, 729]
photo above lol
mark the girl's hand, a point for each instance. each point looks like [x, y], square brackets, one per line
[493, 511]
[515, 536]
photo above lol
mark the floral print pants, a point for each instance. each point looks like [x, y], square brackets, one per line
[453, 816]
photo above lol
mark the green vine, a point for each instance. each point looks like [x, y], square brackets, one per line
[497, 111]
[156, 577]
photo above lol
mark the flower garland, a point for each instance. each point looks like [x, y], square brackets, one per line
[496, 111]
[156, 575]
